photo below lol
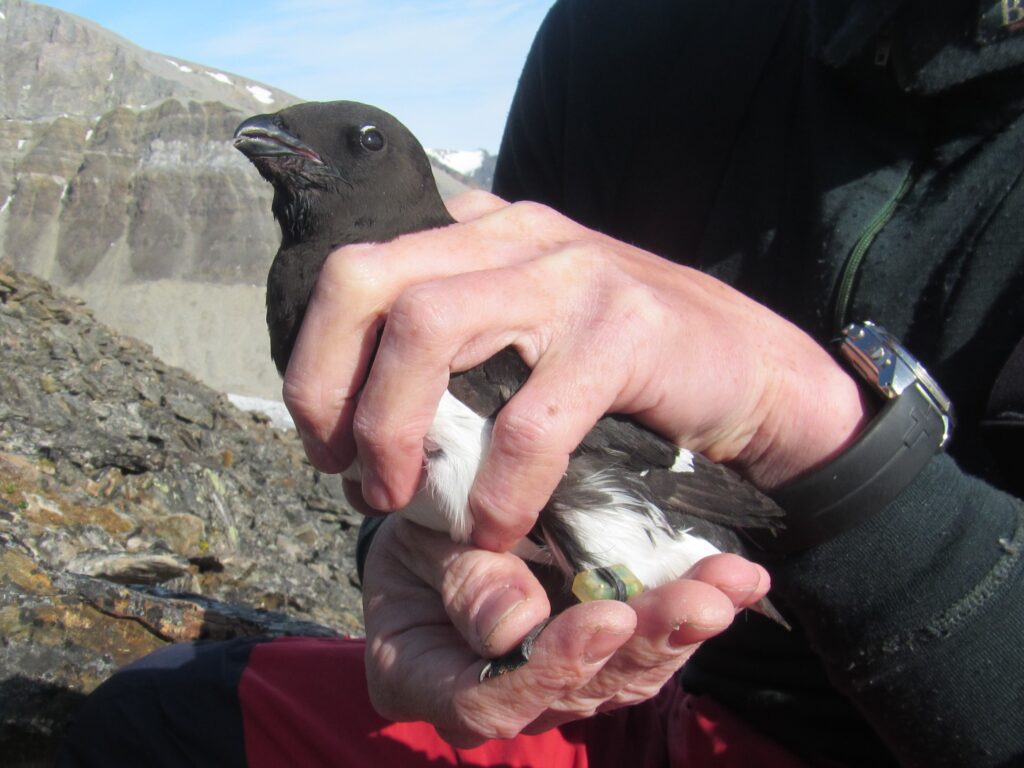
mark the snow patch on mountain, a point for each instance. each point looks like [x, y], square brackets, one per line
[464, 161]
[474, 164]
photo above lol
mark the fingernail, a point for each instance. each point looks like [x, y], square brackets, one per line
[495, 609]
[682, 635]
[374, 492]
[741, 592]
[602, 644]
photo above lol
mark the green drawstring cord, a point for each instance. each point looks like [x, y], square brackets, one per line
[860, 249]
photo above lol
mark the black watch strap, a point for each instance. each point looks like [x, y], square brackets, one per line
[883, 460]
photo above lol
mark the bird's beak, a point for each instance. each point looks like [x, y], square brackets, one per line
[263, 136]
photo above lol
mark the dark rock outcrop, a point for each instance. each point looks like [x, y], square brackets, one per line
[138, 507]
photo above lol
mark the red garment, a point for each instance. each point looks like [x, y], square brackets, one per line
[305, 703]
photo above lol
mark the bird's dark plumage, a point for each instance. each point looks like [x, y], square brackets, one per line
[344, 173]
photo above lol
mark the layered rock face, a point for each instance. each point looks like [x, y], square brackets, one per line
[139, 507]
[118, 181]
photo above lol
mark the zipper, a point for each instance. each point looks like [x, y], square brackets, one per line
[856, 258]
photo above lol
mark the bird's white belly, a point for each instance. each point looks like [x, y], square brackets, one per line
[454, 448]
[618, 532]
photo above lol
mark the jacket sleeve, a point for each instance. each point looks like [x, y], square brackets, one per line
[917, 615]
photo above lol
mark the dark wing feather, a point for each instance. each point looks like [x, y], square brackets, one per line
[710, 492]
[715, 493]
[490, 385]
[632, 446]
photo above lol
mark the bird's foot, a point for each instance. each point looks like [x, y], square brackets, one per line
[516, 658]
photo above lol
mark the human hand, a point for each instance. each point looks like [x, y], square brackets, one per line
[604, 326]
[434, 608]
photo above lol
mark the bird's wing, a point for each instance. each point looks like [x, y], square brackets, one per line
[715, 493]
[710, 491]
[694, 488]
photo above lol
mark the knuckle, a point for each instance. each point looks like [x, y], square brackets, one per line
[466, 574]
[478, 198]
[421, 316]
[583, 259]
[530, 215]
[307, 402]
[377, 437]
[385, 699]
[511, 517]
[524, 431]
[481, 721]
[353, 270]
[633, 302]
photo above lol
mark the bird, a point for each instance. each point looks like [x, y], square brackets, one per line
[633, 510]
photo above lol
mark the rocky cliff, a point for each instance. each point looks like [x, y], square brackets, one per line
[139, 507]
[118, 181]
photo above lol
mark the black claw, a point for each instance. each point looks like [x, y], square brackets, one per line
[514, 659]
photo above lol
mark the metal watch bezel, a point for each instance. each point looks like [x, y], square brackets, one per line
[889, 368]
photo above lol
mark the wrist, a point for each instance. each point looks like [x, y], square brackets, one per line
[811, 415]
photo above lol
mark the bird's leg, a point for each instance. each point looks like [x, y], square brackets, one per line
[517, 657]
[615, 582]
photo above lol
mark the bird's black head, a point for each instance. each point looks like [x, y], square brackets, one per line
[343, 173]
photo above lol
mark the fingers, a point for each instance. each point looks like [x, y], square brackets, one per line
[568, 654]
[433, 608]
[575, 333]
[355, 290]
[425, 337]
[492, 599]
[421, 666]
[671, 622]
[743, 582]
[583, 374]
[335, 345]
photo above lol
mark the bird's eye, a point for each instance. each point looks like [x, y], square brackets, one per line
[371, 139]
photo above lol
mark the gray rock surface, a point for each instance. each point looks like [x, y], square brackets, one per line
[139, 507]
[118, 181]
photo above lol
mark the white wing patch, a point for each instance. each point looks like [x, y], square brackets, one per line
[683, 462]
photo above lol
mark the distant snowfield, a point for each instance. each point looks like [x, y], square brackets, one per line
[220, 77]
[261, 95]
[464, 161]
[272, 409]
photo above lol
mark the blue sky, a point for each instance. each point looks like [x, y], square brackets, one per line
[446, 68]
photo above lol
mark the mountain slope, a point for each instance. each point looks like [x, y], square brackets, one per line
[118, 181]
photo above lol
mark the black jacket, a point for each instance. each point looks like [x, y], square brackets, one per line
[863, 161]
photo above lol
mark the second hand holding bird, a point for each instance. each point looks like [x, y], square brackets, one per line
[459, 603]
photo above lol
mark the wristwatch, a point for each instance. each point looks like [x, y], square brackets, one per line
[915, 423]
